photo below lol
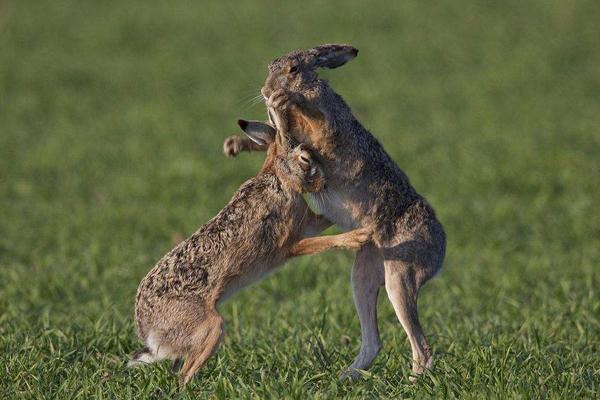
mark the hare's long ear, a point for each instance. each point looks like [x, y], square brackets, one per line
[331, 55]
[260, 132]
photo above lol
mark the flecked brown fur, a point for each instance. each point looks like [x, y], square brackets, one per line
[263, 225]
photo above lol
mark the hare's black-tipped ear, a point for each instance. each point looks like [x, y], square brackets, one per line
[260, 132]
[332, 55]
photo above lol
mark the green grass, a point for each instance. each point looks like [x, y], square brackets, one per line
[112, 116]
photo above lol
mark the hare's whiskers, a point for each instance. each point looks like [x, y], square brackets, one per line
[326, 196]
[304, 215]
[249, 95]
[252, 101]
[258, 98]
[321, 201]
[246, 98]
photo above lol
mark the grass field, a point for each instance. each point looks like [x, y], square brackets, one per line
[112, 116]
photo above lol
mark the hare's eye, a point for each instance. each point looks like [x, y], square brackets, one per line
[294, 69]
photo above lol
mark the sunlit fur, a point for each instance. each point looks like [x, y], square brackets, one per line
[365, 188]
[264, 224]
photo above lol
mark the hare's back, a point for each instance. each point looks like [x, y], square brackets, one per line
[241, 232]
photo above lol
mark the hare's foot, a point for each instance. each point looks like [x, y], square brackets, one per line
[350, 374]
[368, 351]
[362, 362]
[420, 366]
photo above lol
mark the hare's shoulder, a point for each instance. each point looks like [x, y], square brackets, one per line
[248, 207]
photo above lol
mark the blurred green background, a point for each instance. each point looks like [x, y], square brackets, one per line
[112, 118]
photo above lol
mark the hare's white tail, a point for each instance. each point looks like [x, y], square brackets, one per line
[141, 357]
[152, 352]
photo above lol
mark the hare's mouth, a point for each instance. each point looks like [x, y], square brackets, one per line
[315, 184]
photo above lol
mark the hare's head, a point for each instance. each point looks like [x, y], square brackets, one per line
[296, 71]
[296, 166]
[303, 169]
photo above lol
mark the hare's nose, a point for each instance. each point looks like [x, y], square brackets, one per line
[264, 93]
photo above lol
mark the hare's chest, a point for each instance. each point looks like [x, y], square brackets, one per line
[336, 206]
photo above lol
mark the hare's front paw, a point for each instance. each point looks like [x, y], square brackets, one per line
[232, 146]
[282, 100]
[363, 236]
[358, 237]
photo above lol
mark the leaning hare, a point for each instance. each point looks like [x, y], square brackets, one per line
[365, 188]
[264, 224]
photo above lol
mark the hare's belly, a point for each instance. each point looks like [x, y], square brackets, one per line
[249, 275]
[337, 207]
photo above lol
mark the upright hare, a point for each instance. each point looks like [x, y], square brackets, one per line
[262, 226]
[365, 188]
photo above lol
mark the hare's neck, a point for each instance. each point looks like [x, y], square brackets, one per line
[292, 187]
[342, 125]
[329, 100]
[269, 164]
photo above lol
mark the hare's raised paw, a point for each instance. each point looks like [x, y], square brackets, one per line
[363, 236]
[232, 146]
[281, 100]
[357, 238]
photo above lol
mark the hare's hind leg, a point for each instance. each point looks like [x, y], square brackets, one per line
[407, 267]
[204, 344]
[367, 278]
[402, 292]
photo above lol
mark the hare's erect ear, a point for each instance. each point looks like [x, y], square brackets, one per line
[260, 132]
[332, 55]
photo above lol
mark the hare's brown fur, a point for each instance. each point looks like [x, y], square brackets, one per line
[365, 188]
[262, 226]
